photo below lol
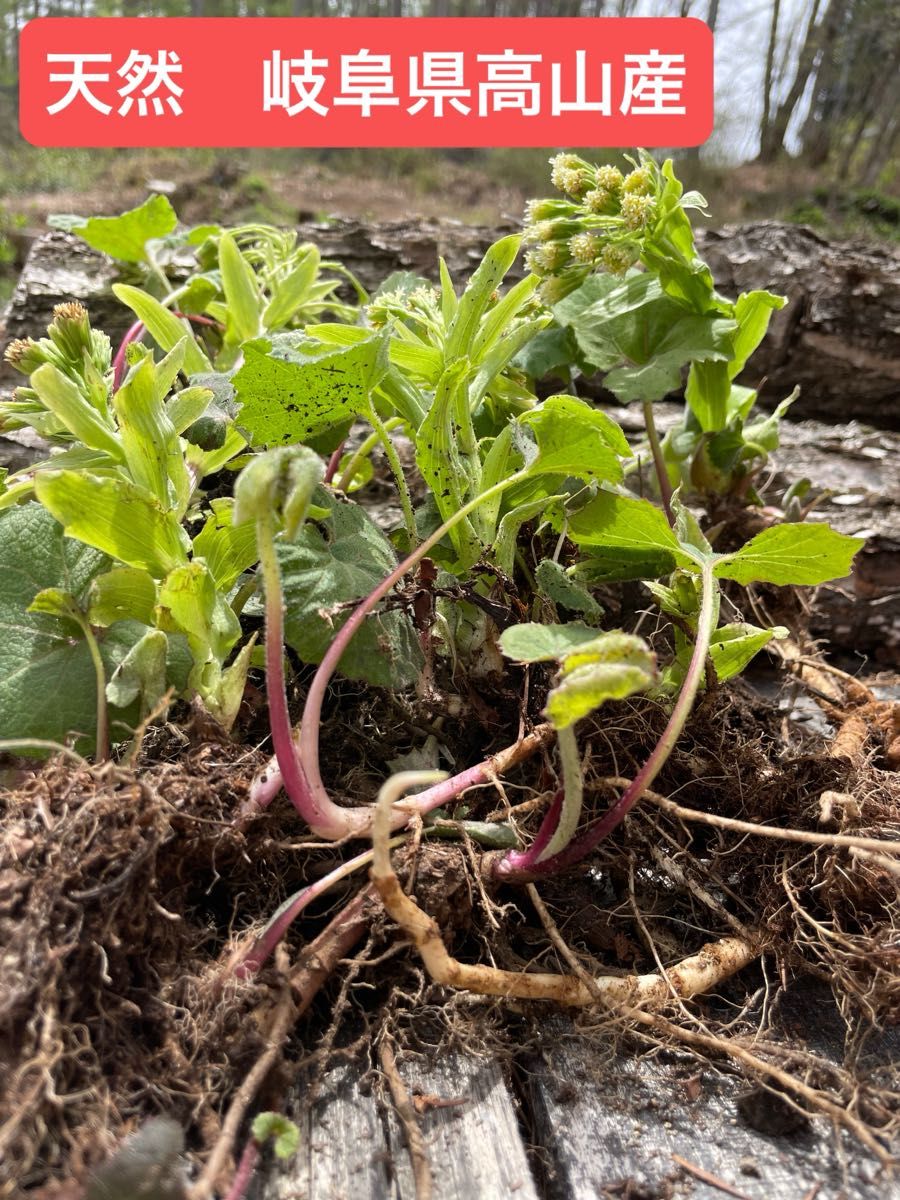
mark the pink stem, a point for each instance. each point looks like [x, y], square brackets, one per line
[579, 848]
[285, 916]
[120, 363]
[334, 462]
[136, 331]
[292, 773]
[524, 860]
[244, 1173]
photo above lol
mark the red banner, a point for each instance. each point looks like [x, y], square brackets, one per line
[465, 81]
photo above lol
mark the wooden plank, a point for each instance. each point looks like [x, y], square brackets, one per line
[352, 1146]
[610, 1122]
[475, 1149]
[343, 1151]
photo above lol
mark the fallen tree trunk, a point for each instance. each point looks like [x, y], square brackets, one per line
[839, 337]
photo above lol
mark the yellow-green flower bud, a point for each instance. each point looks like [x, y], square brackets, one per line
[616, 259]
[560, 163]
[24, 355]
[552, 256]
[639, 182]
[546, 210]
[584, 247]
[638, 211]
[609, 178]
[601, 202]
[535, 263]
[70, 331]
[574, 182]
[557, 287]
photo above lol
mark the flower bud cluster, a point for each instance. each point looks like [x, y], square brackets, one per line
[601, 223]
[71, 345]
[77, 351]
[420, 308]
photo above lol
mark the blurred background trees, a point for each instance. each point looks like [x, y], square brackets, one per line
[812, 80]
[807, 130]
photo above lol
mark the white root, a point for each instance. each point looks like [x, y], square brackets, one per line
[698, 973]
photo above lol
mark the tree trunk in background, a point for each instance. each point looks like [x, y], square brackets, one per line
[773, 135]
[768, 98]
[885, 136]
[818, 130]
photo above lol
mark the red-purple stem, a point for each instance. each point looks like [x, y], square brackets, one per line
[284, 917]
[509, 867]
[244, 1172]
[135, 332]
[524, 860]
[292, 774]
[120, 363]
[334, 462]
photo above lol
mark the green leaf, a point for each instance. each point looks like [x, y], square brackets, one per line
[56, 603]
[152, 447]
[575, 439]
[65, 400]
[283, 402]
[617, 564]
[508, 530]
[752, 311]
[227, 549]
[225, 701]
[125, 237]
[610, 667]
[732, 646]
[475, 300]
[114, 516]
[447, 456]
[535, 642]
[499, 318]
[141, 675]
[591, 344]
[708, 393]
[553, 582]
[624, 524]
[553, 349]
[241, 292]
[190, 603]
[163, 326]
[122, 593]
[270, 1125]
[663, 345]
[195, 297]
[188, 405]
[791, 554]
[321, 572]
[47, 680]
[291, 293]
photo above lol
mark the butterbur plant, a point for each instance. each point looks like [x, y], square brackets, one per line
[627, 535]
[124, 451]
[210, 476]
[632, 298]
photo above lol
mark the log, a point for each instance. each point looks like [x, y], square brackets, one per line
[839, 337]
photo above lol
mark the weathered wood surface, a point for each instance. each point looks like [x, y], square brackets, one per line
[614, 1124]
[585, 1121]
[353, 1145]
[839, 337]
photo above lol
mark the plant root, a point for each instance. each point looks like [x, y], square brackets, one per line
[415, 1141]
[282, 1018]
[697, 973]
[809, 837]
